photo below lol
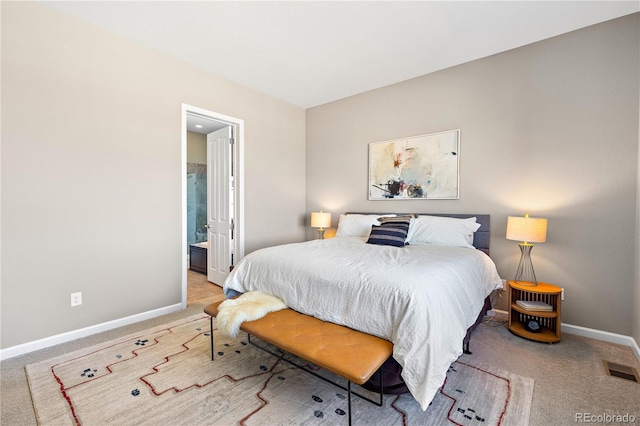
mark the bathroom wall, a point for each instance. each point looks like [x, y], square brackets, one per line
[196, 187]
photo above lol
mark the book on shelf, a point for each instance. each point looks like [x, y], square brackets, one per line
[534, 305]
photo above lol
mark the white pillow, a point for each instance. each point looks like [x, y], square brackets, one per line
[443, 231]
[357, 225]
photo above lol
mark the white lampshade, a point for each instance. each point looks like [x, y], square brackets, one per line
[527, 229]
[320, 219]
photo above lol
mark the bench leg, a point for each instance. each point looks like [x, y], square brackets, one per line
[348, 388]
[211, 332]
[381, 391]
[349, 400]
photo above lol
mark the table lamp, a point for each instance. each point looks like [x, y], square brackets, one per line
[528, 230]
[320, 220]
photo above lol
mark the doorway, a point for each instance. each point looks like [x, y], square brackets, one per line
[209, 123]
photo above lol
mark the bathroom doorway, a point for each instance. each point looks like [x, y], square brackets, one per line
[201, 194]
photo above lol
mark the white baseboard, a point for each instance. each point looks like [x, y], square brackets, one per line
[24, 348]
[606, 336]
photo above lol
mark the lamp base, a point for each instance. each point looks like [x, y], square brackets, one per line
[321, 234]
[525, 274]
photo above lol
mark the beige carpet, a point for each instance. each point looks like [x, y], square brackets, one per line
[165, 376]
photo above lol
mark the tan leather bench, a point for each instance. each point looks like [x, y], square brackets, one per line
[348, 353]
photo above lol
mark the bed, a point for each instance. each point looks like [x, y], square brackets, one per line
[424, 296]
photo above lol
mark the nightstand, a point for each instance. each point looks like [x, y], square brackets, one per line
[548, 320]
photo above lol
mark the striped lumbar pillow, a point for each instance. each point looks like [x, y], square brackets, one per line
[391, 232]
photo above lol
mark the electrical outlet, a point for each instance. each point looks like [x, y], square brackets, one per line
[562, 294]
[504, 285]
[76, 299]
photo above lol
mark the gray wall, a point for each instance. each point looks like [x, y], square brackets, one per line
[550, 129]
[91, 172]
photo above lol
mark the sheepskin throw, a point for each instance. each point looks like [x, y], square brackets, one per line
[248, 307]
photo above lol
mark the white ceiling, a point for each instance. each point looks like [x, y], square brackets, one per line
[312, 52]
[199, 124]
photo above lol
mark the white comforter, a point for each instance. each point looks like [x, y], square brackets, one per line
[422, 298]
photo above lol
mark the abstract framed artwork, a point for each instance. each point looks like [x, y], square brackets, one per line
[424, 167]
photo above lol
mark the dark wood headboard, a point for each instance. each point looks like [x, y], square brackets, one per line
[480, 238]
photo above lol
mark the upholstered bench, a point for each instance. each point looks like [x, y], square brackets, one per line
[343, 351]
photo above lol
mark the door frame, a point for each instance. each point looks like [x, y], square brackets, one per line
[238, 153]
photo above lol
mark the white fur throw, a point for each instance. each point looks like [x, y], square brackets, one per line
[248, 307]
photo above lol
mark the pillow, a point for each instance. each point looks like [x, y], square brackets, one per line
[443, 231]
[357, 225]
[391, 232]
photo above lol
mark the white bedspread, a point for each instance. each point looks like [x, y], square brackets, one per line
[422, 298]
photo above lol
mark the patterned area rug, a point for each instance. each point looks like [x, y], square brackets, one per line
[165, 376]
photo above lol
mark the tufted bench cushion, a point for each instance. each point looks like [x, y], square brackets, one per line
[348, 353]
